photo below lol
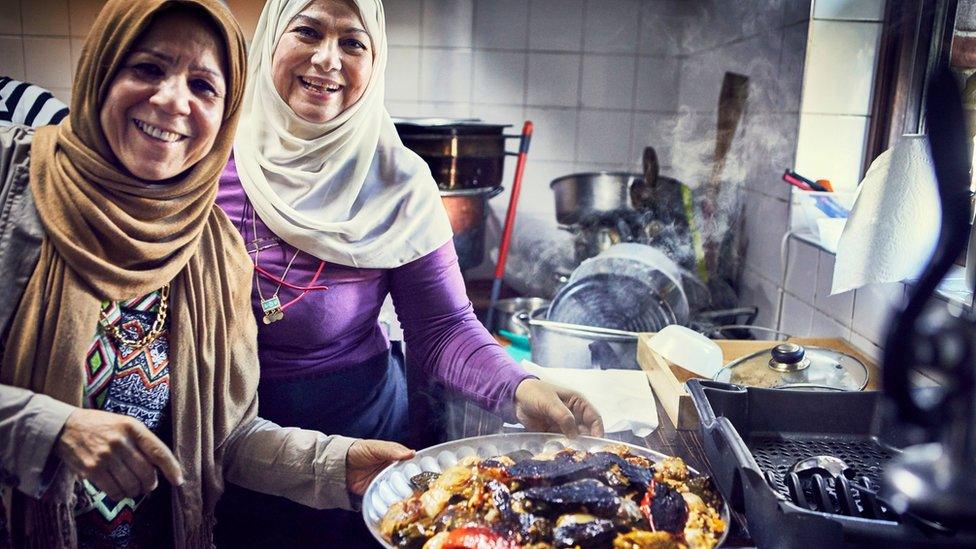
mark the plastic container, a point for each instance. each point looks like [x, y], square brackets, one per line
[809, 206]
[688, 350]
[829, 231]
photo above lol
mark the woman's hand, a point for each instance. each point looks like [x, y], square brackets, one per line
[541, 406]
[117, 453]
[366, 458]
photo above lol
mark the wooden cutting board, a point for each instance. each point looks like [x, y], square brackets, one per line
[667, 380]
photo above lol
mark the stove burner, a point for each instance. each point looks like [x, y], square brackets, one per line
[837, 495]
[841, 494]
[777, 456]
[824, 465]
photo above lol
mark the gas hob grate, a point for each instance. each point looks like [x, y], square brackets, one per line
[777, 455]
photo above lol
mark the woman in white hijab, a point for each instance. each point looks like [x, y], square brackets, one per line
[336, 214]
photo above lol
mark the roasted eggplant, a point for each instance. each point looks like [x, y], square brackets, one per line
[610, 498]
[587, 495]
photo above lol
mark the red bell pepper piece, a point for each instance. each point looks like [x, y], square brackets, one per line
[646, 502]
[476, 537]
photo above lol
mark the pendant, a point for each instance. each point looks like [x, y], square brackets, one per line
[272, 309]
[274, 315]
[270, 304]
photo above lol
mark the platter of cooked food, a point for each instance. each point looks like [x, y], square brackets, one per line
[539, 490]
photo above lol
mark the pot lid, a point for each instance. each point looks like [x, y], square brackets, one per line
[446, 126]
[793, 366]
[587, 178]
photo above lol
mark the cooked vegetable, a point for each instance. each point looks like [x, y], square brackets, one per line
[586, 494]
[664, 508]
[607, 499]
[704, 488]
[592, 533]
[422, 481]
[477, 537]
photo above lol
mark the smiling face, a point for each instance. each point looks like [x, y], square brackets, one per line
[323, 61]
[165, 104]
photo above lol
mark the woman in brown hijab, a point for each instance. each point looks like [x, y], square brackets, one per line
[128, 343]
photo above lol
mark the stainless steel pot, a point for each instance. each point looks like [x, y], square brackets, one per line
[468, 211]
[582, 197]
[559, 345]
[461, 154]
[506, 311]
[630, 287]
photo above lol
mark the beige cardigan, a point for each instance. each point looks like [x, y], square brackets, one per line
[305, 466]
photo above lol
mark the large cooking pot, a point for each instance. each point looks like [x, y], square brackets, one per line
[583, 198]
[506, 311]
[630, 287]
[461, 154]
[468, 211]
[558, 345]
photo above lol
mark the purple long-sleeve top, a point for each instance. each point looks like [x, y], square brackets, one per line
[332, 329]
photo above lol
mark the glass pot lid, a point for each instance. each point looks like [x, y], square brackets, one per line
[792, 366]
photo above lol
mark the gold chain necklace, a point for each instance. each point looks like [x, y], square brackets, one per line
[156, 330]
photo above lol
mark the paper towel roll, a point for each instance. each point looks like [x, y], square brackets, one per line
[894, 225]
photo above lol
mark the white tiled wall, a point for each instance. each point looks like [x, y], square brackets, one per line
[35, 42]
[837, 86]
[860, 316]
[831, 146]
[601, 79]
[849, 10]
[837, 91]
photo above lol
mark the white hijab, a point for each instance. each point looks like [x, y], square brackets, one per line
[346, 191]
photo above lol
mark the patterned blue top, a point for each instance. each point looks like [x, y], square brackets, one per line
[133, 383]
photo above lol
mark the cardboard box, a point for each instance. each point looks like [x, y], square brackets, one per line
[667, 380]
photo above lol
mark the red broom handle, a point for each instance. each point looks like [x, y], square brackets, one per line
[513, 201]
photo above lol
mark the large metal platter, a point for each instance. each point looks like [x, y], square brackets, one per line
[392, 484]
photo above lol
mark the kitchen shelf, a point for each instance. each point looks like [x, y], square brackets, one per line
[952, 290]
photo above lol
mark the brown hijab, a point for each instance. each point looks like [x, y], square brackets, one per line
[110, 235]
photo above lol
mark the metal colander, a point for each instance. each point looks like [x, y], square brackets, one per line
[612, 301]
[630, 287]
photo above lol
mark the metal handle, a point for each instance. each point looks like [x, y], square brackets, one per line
[749, 327]
[652, 168]
[583, 328]
[734, 312]
[697, 387]
[788, 353]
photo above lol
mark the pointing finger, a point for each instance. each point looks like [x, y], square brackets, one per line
[158, 454]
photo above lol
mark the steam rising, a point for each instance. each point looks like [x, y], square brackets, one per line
[760, 39]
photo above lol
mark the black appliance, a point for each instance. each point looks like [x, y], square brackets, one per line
[892, 469]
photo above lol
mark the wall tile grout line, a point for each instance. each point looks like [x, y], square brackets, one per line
[23, 46]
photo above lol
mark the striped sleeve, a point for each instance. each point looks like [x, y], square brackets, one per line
[26, 104]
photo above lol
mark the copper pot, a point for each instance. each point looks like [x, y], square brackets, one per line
[461, 154]
[468, 212]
